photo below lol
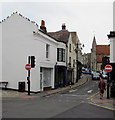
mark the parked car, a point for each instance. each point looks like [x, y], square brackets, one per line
[104, 75]
[95, 76]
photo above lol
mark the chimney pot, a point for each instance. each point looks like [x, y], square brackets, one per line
[63, 26]
[42, 23]
[42, 27]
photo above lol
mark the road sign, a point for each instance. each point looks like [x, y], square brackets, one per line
[108, 68]
[27, 66]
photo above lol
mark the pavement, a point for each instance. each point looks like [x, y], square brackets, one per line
[14, 94]
[94, 99]
[104, 103]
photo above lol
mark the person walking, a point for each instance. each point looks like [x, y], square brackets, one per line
[101, 87]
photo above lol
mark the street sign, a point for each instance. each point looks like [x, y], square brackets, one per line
[27, 66]
[108, 68]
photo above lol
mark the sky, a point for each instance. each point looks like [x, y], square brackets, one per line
[84, 17]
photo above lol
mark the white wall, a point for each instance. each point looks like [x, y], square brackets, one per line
[0, 52]
[71, 54]
[112, 50]
[19, 43]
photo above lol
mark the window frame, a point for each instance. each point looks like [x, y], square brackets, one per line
[60, 55]
[47, 51]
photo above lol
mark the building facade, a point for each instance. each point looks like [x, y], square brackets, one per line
[87, 60]
[60, 67]
[97, 54]
[21, 38]
[70, 39]
[111, 36]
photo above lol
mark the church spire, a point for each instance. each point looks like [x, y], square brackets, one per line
[94, 40]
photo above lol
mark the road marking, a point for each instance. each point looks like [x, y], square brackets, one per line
[90, 91]
[93, 95]
[73, 95]
[72, 90]
[101, 106]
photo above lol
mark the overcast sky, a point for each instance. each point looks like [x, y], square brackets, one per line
[86, 18]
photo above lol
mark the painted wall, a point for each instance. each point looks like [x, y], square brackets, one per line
[72, 54]
[0, 52]
[19, 42]
[112, 50]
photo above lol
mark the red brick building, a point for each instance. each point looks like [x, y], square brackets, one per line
[97, 53]
[101, 51]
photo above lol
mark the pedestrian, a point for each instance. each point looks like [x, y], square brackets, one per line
[101, 87]
[70, 84]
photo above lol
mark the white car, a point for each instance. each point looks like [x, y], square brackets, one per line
[95, 76]
[104, 75]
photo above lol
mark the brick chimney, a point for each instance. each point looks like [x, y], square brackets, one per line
[63, 26]
[42, 27]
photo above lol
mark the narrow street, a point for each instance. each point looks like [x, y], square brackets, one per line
[74, 103]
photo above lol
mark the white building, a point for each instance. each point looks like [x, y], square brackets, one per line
[21, 39]
[111, 36]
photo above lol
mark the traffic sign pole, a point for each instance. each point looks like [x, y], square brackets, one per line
[108, 68]
[108, 85]
[28, 78]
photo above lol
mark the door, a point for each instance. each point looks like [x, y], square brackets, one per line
[41, 79]
[46, 77]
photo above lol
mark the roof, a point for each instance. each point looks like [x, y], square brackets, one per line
[61, 36]
[16, 13]
[101, 51]
[33, 22]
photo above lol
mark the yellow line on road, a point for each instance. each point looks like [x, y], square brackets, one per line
[102, 106]
[94, 95]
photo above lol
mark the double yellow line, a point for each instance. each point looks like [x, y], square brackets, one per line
[99, 105]
[102, 106]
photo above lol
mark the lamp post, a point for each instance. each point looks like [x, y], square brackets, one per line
[77, 58]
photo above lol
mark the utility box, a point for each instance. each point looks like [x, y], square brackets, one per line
[21, 86]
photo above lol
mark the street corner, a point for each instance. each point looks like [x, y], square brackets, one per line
[27, 97]
[104, 103]
[11, 94]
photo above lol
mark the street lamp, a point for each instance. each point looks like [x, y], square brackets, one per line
[77, 59]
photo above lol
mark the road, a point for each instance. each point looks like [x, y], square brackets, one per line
[74, 103]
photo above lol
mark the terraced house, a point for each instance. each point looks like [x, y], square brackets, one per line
[21, 40]
[73, 55]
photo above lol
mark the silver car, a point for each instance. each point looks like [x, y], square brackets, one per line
[95, 76]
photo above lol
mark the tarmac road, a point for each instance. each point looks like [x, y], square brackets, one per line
[74, 103]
